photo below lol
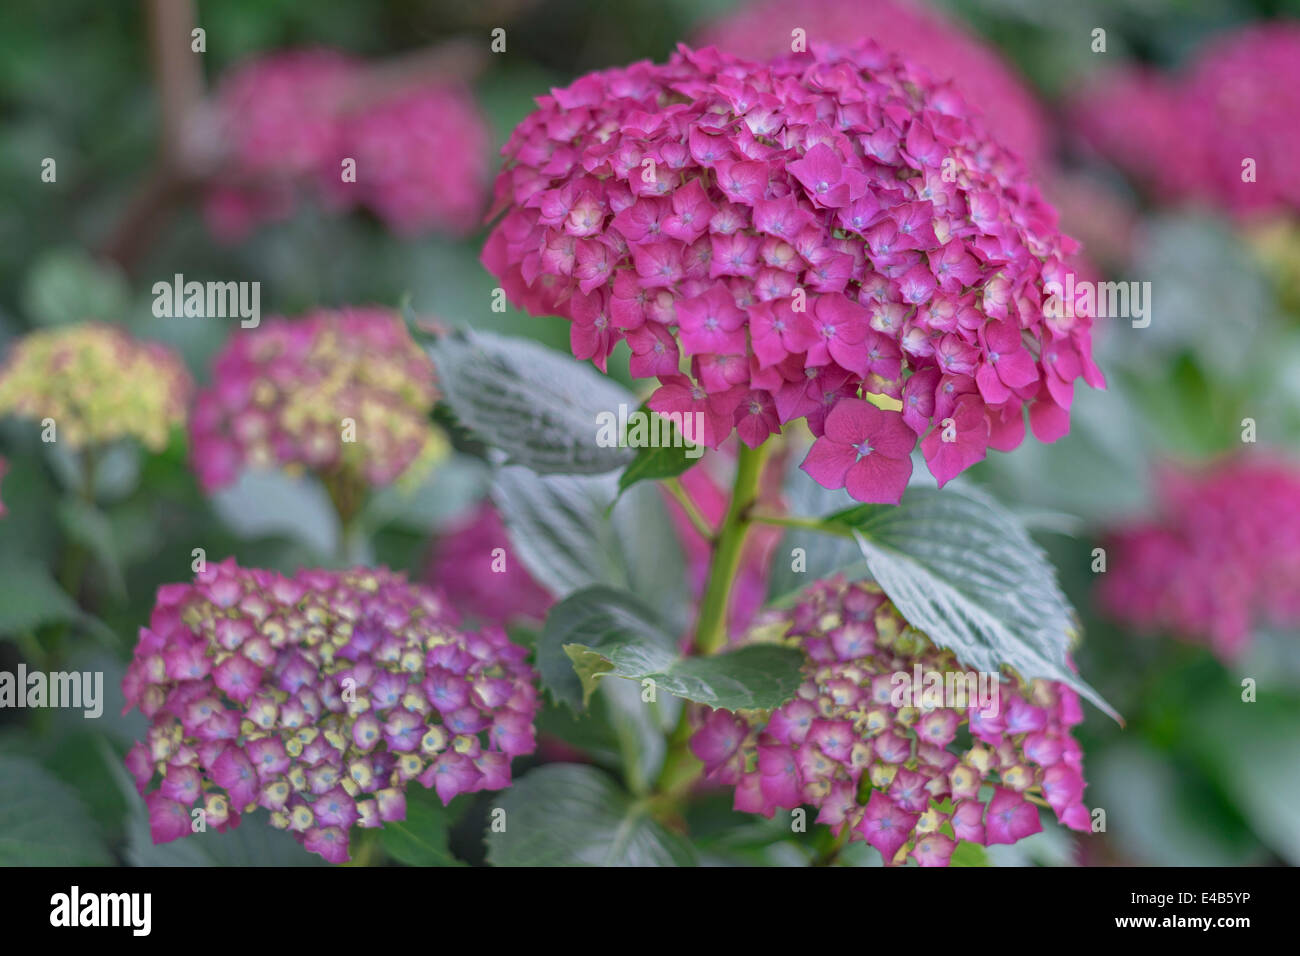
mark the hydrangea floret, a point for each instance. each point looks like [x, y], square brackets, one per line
[318, 698]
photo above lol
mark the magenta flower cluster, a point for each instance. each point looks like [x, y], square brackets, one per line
[922, 35]
[775, 241]
[1221, 557]
[283, 394]
[912, 776]
[292, 120]
[1188, 137]
[318, 698]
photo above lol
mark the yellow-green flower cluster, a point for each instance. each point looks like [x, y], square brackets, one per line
[96, 384]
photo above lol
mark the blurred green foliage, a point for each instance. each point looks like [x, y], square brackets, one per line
[1195, 778]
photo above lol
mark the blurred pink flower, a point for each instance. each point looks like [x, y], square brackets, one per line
[473, 563]
[334, 392]
[1186, 136]
[1220, 557]
[292, 118]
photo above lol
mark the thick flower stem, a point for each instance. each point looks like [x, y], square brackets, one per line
[680, 768]
[711, 626]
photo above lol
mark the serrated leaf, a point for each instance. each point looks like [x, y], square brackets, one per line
[42, 823]
[564, 531]
[569, 815]
[540, 408]
[608, 633]
[962, 569]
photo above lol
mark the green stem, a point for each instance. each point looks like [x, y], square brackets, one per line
[830, 852]
[681, 768]
[347, 493]
[75, 557]
[711, 626]
[697, 519]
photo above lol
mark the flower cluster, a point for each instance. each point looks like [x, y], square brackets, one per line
[1187, 137]
[773, 240]
[97, 383]
[1221, 557]
[318, 698]
[292, 119]
[333, 392]
[482, 577]
[926, 38]
[911, 773]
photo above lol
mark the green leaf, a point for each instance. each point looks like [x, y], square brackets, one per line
[822, 555]
[1164, 814]
[605, 632]
[1253, 749]
[563, 529]
[30, 598]
[665, 460]
[969, 854]
[253, 843]
[265, 503]
[542, 409]
[420, 839]
[449, 491]
[42, 823]
[68, 286]
[569, 815]
[963, 570]
[640, 729]
[84, 523]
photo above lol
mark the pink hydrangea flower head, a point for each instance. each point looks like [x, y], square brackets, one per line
[485, 580]
[97, 383]
[318, 698]
[335, 392]
[1185, 136]
[1220, 558]
[924, 37]
[291, 119]
[775, 239]
[892, 738]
